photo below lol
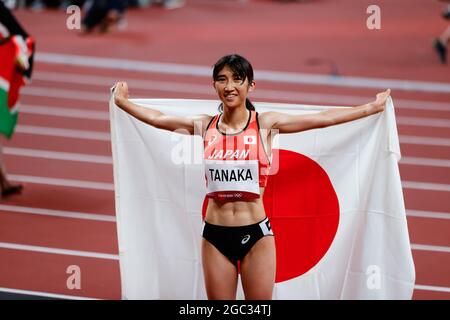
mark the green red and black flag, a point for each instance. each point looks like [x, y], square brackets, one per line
[15, 55]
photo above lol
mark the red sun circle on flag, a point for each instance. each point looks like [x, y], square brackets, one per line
[303, 209]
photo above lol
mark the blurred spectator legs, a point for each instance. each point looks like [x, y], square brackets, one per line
[103, 13]
[169, 4]
[441, 44]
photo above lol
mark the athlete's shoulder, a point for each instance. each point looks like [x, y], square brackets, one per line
[267, 119]
[202, 122]
[204, 119]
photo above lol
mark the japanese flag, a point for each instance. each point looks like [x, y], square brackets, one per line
[249, 139]
[335, 202]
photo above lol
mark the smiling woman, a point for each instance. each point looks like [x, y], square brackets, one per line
[237, 235]
[233, 72]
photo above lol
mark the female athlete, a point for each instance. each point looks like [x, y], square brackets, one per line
[237, 153]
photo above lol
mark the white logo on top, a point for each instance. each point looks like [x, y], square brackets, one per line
[246, 238]
[212, 140]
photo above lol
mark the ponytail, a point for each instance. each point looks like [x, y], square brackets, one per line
[249, 105]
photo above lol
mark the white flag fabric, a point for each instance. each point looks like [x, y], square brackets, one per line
[335, 203]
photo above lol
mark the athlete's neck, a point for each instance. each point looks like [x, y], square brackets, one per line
[233, 118]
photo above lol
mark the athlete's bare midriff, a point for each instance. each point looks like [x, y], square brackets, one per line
[235, 213]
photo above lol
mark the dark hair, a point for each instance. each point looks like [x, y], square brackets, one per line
[241, 67]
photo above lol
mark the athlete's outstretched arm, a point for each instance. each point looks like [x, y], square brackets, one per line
[155, 118]
[288, 123]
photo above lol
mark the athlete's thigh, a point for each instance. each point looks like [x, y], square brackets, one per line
[219, 273]
[258, 270]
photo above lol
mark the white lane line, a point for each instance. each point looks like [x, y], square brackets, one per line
[62, 182]
[166, 86]
[56, 155]
[423, 122]
[430, 162]
[423, 247]
[421, 105]
[90, 96]
[431, 288]
[67, 94]
[431, 141]
[65, 133]
[101, 81]
[110, 186]
[98, 255]
[88, 254]
[112, 218]
[101, 115]
[64, 112]
[300, 97]
[428, 214]
[274, 76]
[58, 213]
[81, 157]
[45, 294]
[68, 297]
[425, 186]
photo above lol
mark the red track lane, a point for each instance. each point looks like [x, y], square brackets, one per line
[34, 271]
[92, 146]
[58, 232]
[205, 85]
[432, 268]
[99, 236]
[103, 148]
[262, 85]
[430, 295]
[45, 272]
[53, 74]
[61, 102]
[66, 123]
[64, 198]
[77, 170]
[99, 79]
[60, 144]
[102, 201]
[83, 170]
[139, 93]
[424, 151]
[419, 231]
[409, 172]
[433, 114]
[102, 126]
[437, 132]
[60, 169]
[427, 200]
[322, 29]
[102, 92]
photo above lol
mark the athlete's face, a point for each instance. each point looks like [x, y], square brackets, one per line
[231, 88]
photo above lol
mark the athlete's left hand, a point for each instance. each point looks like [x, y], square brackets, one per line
[380, 102]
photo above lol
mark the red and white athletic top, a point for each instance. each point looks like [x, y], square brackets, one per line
[236, 165]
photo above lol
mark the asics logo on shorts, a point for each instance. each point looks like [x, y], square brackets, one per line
[268, 225]
[246, 238]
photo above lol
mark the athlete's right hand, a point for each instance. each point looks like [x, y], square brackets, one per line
[120, 91]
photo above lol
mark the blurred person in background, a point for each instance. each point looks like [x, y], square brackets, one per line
[170, 4]
[103, 14]
[16, 56]
[440, 44]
